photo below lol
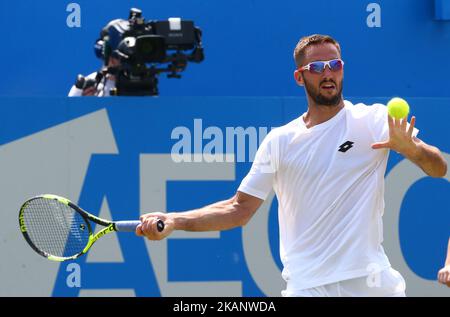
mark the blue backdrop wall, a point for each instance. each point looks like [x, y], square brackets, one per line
[390, 47]
[113, 155]
[117, 161]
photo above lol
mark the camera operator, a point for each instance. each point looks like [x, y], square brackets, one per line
[103, 88]
[100, 83]
[135, 52]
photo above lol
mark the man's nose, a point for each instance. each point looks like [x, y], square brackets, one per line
[327, 73]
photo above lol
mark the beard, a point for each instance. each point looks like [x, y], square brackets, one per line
[321, 99]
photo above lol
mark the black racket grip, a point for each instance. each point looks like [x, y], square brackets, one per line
[160, 225]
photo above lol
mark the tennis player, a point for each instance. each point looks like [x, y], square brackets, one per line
[444, 273]
[327, 169]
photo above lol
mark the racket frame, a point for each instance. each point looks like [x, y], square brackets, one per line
[109, 227]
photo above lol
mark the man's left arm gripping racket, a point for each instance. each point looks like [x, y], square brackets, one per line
[60, 230]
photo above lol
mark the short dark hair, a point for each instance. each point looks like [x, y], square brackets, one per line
[307, 41]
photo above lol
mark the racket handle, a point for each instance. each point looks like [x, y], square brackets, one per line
[130, 226]
[127, 226]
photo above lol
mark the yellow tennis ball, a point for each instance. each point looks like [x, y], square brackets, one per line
[398, 108]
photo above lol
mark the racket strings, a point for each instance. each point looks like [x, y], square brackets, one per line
[55, 228]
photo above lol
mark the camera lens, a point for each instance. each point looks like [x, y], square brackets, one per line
[147, 48]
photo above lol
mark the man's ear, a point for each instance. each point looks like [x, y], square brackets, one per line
[298, 77]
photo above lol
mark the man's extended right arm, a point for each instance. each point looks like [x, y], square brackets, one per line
[223, 215]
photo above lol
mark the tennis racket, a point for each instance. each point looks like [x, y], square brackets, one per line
[59, 230]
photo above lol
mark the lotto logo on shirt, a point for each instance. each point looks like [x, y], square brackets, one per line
[346, 146]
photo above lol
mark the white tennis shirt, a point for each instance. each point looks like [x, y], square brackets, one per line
[329, 183]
